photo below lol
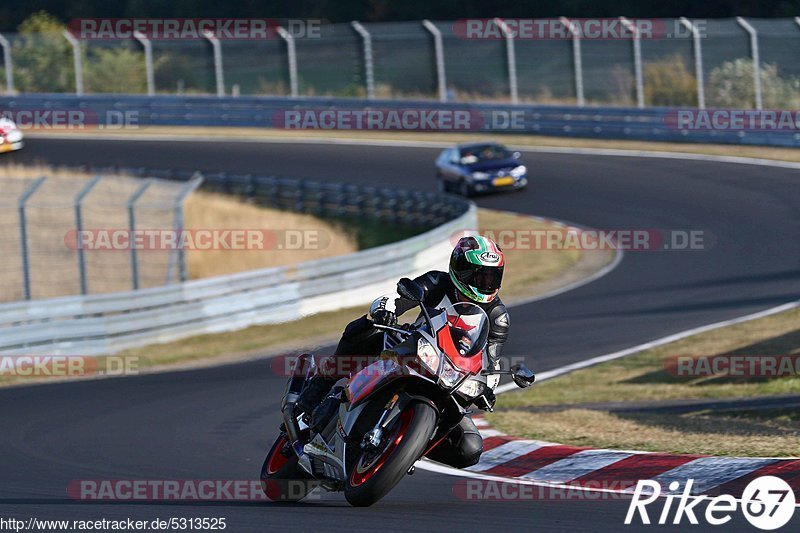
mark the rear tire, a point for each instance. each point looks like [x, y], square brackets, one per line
[366, 484]
[282, 479]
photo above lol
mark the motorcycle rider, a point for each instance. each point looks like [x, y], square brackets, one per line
[474, 275]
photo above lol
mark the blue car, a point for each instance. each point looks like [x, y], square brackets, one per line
[474, 168]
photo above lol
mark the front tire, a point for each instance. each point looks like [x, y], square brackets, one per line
[464, 189]
[370, 478]
[282, 479]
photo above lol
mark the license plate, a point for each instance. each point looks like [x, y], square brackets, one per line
[499, 182]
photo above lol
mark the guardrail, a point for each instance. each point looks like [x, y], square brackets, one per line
[107, 323]
[649, 124]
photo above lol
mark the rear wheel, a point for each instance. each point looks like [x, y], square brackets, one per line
[282, 479]
[373, 473]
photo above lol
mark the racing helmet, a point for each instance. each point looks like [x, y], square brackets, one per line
[476, 268]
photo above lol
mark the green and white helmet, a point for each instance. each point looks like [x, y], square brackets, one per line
[476, 268]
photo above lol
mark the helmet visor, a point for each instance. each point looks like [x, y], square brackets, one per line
[485, 279]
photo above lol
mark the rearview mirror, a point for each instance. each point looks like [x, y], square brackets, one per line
[522, 376]
[410, 290]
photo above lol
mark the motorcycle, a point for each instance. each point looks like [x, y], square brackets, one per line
[392, 412]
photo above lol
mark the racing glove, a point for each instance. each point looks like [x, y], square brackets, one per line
[382, 311]
[486, 401]
[383, 317]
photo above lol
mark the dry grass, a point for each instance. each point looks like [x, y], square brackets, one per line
[204, 211]
[689, 433]
[644, 377]
[761, 152]
[50, 215]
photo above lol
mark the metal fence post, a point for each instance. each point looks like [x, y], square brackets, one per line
[438, 51]
[79, 229]
[577, 58]
[698, 61]
[291, 56]
[132, 227]
[23, 234]
[756, 60]
[511, 58]
[194, 183]
[76, 60]
[9, 67]
[218, 71]
[148, 61]
[637, 60]
[369, 71]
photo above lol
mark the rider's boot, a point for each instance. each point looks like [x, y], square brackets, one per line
[326, 410]
[318, 386]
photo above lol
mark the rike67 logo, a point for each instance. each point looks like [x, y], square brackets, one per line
[768, 503]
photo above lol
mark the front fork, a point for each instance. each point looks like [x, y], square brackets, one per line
[373, 437]
[304, 369]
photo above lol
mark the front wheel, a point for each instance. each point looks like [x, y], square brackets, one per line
[282, 479]
[374, 473]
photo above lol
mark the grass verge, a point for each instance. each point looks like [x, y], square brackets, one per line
[562, 410]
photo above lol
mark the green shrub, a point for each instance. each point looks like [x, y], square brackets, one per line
[731, 85]
[668, 82]
[42, 56]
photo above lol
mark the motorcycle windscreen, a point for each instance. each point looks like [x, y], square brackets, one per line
[465, 336]
[369, 378]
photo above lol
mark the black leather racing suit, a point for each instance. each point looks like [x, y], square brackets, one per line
[464, 445]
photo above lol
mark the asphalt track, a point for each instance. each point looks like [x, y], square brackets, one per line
[216, 423]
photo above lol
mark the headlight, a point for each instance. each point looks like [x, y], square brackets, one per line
[480, 175]
[449, 376]
[472, 388]
[519, 171]
[428, 355]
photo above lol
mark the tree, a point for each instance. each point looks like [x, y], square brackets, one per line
[41, 56]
